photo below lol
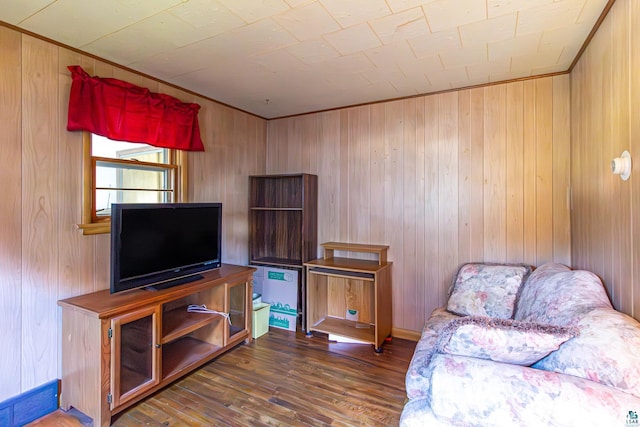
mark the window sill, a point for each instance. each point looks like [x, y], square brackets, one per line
[95, 228]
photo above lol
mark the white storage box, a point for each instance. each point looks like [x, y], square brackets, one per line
[279, 288]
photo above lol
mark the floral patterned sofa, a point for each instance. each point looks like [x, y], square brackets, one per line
[521, 348]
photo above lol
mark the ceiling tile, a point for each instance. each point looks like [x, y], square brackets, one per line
[460, 57]
[353, 39]
[490, 30]
[14, 11]
[574, 34]
[482, 71]
[313, 51]
[431, 44]
[383, 56]
[209, 16]
[443, 78]
[591, 12]
[549, 16]
[531, 61]
[146, 38]
[378, 75]
[400, 5]
[476, 81]
[308, 22]
[296, 3]
[78, 22]
[278, 61]
[252, 10]
[430, 65]
[503, 7]
[523, 45]
[405, 25]
[447, 14]
[259, 37]
[354, 12]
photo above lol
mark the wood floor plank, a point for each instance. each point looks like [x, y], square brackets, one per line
[285, 379]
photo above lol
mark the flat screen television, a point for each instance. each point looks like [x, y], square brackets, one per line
[162, 245]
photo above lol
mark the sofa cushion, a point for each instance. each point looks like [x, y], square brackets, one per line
[555, 294]
[487, 289]
[417, 378]
[606, 351]
[502, 340]
[467, 391]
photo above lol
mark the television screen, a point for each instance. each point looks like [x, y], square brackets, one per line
[162, 245]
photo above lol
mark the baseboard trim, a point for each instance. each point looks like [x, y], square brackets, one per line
[30, 405]
[405, 334]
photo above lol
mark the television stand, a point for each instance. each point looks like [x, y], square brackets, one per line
[119, 348]
[174, 282]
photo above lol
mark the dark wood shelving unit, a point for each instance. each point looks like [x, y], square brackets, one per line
[283, 225]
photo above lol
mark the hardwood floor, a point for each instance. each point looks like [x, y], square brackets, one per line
[285, 379]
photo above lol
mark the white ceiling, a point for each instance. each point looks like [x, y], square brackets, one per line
[275, 58]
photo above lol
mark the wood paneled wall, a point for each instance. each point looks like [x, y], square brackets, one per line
[471, 175]
[605, 121]
[43, 256]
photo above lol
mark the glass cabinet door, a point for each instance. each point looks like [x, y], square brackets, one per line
[134, 354]
[238, 311]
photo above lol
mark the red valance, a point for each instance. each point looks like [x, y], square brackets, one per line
[125, 112]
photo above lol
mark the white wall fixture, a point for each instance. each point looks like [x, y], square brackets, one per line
[622, 165]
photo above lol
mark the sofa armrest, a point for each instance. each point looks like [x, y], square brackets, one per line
[476, 392]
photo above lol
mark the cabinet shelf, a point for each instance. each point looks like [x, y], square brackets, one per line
[179, 322]
[281, 262]
[346, 328]
[185, 353]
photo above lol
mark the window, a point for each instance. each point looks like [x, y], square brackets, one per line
[125, 172]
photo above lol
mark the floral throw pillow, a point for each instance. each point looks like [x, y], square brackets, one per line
[487, 289]
[502, 340]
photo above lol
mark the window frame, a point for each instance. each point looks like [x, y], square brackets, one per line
[90, 223]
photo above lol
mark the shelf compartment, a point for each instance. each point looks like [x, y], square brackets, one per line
[345, 328]
[276, 235]
[272, 261]
[179, 322]
[343, 274]
[276, 191]
[185, 353]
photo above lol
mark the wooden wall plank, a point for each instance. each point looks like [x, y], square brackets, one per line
[544, 170]
[329, 170]
[529, 173]
[410, 264]
[495, 175]
[464, 180]
[561, 168]
[621, 270]
[514, 173]
[432, 274]
[11, 211]
[76, 264]
[633, 11]
[448, 191]
[477, 174]
[604, 223]
[394, 164]
[40, 210]
[358, 175]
